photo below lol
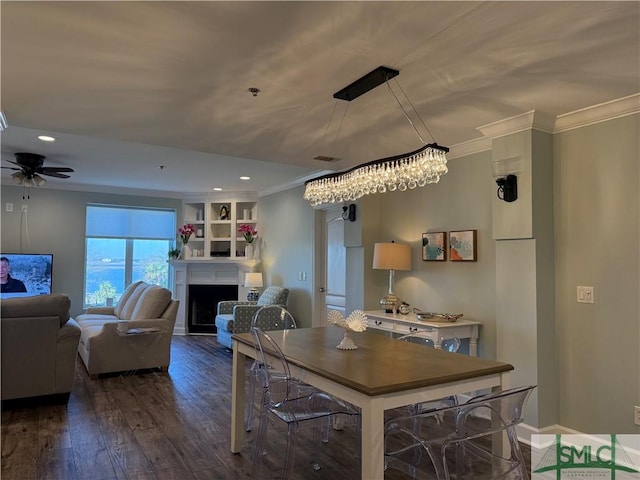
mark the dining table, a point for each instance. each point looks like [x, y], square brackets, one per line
[382, 373]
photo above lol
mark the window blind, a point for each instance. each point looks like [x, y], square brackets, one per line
[130, 222]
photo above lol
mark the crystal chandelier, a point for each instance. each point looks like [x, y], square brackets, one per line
[409, 170]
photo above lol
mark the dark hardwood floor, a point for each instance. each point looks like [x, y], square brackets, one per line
[153, 425]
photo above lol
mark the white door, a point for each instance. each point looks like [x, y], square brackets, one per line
[330, 276]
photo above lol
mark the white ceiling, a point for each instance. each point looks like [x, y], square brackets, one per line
[129, 86]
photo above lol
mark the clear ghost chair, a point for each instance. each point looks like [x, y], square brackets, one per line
[450, 345]
[270, 317]
[282, 403]
[457, 442]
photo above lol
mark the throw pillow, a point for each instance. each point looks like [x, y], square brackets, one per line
[117, 311]
[131, 302]
[152, 303]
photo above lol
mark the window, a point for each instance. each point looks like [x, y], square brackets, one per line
[124, 245]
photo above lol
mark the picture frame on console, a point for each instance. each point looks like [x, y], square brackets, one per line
[434, 247]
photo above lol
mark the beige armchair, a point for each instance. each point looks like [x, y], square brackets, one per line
[133, 335]
[39, 346]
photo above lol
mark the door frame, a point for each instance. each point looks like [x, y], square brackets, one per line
[320, 261]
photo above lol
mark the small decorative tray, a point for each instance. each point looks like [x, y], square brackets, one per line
[437, 317]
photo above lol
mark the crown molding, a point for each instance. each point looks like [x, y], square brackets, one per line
[602, 112]
[296, 182]
[533, 119]
[81, 187]
[545, 122]
[469, 147]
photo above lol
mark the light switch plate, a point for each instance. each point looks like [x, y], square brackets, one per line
[585, 295]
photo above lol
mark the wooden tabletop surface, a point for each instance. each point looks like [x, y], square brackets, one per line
[380, 365]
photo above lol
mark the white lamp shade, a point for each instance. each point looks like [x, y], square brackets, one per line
[253, 280]
[391, 256]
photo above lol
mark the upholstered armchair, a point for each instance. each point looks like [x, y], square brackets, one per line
[235, 316]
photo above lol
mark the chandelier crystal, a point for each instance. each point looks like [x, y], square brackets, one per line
[402, 172]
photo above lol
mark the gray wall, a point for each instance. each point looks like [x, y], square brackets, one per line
[286, 241]
[597, 203]
[55, 223]
[460, 201]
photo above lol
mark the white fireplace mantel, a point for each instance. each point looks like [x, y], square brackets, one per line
[212, 271]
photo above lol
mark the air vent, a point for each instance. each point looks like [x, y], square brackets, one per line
[324, 158]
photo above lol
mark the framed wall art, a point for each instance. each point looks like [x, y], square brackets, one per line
[463, 246]
[434, 247]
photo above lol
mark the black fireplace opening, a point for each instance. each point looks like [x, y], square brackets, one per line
[203, 305]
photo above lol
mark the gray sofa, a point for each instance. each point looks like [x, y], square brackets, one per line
[39, 346]
[135, 334]
[235, 316]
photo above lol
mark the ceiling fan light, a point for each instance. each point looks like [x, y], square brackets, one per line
[38, 181]
[18, 178]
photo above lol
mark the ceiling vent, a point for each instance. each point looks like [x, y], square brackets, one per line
[324, 158]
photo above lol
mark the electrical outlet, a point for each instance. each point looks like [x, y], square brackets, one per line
[9, 207]
[636, 415]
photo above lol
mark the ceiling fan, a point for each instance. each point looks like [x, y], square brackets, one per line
[29, 168]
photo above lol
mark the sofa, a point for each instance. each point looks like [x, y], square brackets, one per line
[235, 316]
[39, 346]
[134, 334]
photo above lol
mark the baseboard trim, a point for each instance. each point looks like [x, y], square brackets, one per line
[525, 431]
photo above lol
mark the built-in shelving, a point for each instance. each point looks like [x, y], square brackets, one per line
[216, 221]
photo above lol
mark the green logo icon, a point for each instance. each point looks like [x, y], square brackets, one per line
[584, 456]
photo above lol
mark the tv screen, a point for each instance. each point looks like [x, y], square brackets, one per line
[25, 274]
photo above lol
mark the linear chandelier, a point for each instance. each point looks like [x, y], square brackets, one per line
[409, 170]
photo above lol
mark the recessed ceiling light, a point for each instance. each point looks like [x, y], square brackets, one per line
[217, 189]
[46, 138]
[245, 178]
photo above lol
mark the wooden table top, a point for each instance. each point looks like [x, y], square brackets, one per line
[380, 365]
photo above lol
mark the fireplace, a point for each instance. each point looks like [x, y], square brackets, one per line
[200, 284]
[203, 302]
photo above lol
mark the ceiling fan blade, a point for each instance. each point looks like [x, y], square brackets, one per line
[49, 170]
[12, 168]
[55, 174]
[15, 163]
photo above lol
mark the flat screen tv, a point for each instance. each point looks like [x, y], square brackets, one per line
[25, 274]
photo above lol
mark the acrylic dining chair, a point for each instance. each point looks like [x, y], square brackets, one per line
[281, 403]
[269, 317]
[457, 442]
[449, 345]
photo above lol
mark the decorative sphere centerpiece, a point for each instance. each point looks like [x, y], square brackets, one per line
[356, 322]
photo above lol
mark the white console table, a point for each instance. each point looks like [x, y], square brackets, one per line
[399, 324]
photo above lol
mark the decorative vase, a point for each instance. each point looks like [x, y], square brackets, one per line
[248, 252]
[185, 252]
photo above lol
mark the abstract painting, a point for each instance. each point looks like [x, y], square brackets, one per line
[434, 247]
[463, 246]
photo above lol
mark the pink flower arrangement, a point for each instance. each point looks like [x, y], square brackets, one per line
[185, 232]
[248, 232]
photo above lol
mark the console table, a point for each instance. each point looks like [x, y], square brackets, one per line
[399, 324]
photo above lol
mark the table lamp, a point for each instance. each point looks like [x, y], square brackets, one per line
[253, 281]
[391, 256]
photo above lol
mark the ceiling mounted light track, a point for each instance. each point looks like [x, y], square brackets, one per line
[400, 172]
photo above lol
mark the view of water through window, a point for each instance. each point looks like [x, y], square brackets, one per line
[112, 264]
